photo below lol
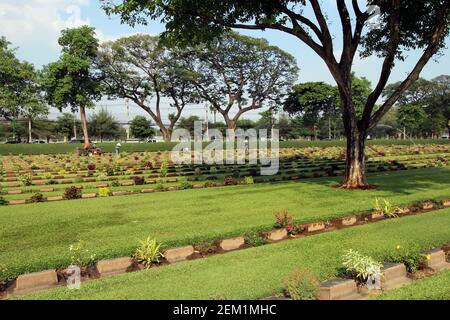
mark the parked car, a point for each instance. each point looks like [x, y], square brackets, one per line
[12, 142]
[38, 141]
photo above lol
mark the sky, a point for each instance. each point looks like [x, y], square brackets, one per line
[33, 27]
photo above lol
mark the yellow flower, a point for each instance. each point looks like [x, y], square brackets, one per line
[428, 256]
[398, 247]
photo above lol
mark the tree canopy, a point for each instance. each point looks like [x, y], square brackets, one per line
[402, 26]
[72, 81]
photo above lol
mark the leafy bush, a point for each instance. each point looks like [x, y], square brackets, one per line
[230, 181]
[249, 180]
[198, 172]
[301, 285]
[254, 239]
[26, 179]
[209, 184]
[213, 170]
[389, 210]
[163, 169]
[361, 267]
[411, 257]
[3, 202]
[139, 181]
[91, 167]
[80, 256]
[185, 185]
[103, 192]
[148, 252]
[72, 193]
[284, 220]
[37, 197]
[115, 183]
[47, 175]
[53, 181]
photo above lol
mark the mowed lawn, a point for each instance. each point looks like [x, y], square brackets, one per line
[259, 272]
[436, 287]
[36, 237]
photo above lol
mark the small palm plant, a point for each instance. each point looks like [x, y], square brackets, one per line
[387, 208]
[148, 252]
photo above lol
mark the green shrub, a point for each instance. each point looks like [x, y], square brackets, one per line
[115, 183]
[3, 202]
[198, 172]
[387, 208]
[411, 257]
[164, 168]
[249, 180]
[148, 252]
[37, 197]
[209, 184]
[80, 256]
[26, 179]
[284, 220]
[254, 239]
[301, 285]
[185, 185]
[359, 266]
[72, 193]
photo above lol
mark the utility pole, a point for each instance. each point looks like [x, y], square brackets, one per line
[128, 118]
[206, 123]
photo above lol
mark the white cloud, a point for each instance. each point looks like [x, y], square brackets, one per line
[39, 22]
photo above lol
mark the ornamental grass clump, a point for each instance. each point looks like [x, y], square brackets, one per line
[148, 252]
[361, 267]
[81, 256]
[302, 285]
[387, 208]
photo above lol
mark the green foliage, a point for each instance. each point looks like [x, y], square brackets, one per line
[185, 185]
[26, 179]
[81, 256]
[3, 202]
[360, 266]
[138, 181]
[148, 252]
[284, 220]
[230, 181]
[37, 197]
[141, 128]
[102, 124]
[409, 256]
[115, 183]
[387, 208]
[249, 180]
[163, 169]
[302, 285]
[254, 238]
[3, 274]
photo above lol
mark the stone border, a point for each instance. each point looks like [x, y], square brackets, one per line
[43, 280]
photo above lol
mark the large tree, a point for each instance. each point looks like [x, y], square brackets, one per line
[103, 124]
[140, 69]
[402, 26]
[237, 74]
[72, 81]
[313, 101]
[141, 128]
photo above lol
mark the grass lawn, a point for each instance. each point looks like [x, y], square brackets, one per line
[36, 237]
[167, 146]
[259, 272]
[436, 287]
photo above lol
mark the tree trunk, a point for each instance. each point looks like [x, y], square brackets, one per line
[167, 135]
[29, 131]
[355, 170]
[84, 127]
